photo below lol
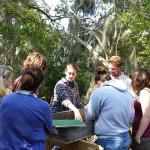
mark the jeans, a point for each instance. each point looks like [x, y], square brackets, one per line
[115, 142]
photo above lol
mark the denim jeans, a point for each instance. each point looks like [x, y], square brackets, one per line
[115, 142]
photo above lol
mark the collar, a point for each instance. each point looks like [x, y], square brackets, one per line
[27, 92]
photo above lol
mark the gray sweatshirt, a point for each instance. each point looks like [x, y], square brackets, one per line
[111, 107]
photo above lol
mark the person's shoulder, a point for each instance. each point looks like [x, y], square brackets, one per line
[144, 95]
[124, 77]
[145, 91]
[10, 95]
[98, 94]
[8, 98]
[98, 90]
[42, 106]
[16, 84]
[61, 81]
[75, 83]
[17, 79]
[43, 102]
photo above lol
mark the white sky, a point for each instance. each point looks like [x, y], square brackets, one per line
[64, 22]
[53, 3]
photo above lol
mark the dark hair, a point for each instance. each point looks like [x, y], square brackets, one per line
[101, 74]
[97, 78]
[140, 80]
[31, 79]
[101, 70]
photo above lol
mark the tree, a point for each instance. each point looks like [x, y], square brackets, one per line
[136, 21]
[22, 31]
[96, 30]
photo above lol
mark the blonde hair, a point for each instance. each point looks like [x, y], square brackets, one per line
[116, 60]
[74, 66]
[35, 60]
[5, 72]
[3, 91]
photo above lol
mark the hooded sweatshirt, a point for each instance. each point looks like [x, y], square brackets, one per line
[111, 107]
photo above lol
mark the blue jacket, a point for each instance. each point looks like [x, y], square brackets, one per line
[24, 120]
[112, 108]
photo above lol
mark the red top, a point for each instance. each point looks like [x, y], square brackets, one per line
[16, 84]
[137, 119]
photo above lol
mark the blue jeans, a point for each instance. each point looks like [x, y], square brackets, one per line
[115, 142]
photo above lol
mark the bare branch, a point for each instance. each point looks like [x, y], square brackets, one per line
[63, 1]
[93, 51]
[47, 15]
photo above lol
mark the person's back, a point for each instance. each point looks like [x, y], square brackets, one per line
[24, 118]
[26, 124]
[114, 109]
[111, 107]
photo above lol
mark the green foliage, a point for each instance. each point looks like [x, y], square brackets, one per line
[136, 18]
[25, 28]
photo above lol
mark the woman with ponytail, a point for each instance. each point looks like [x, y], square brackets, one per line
[25, 118]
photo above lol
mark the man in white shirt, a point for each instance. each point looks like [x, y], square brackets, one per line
[114, 65]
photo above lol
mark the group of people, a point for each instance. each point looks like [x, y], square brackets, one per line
[120, 108]
[116, 105]
[24, 118]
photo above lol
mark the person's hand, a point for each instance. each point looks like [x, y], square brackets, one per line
[77, 114]
[76, 111]
[137, 139]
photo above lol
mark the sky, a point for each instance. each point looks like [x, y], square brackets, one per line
[64, 22]
[52, 4]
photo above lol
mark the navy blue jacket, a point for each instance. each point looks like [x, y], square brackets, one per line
[24, 120]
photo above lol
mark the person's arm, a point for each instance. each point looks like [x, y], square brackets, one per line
[62, 92]
[145, 104]
[16, 84]
[76, 111]
[94, 106]
[47, 116]
[68, 104]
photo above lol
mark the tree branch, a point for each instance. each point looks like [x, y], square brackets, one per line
[47, 15]
[93, 51]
